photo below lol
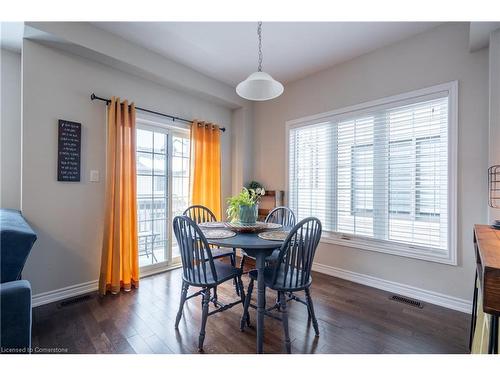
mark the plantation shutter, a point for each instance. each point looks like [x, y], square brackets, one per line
[379, 172]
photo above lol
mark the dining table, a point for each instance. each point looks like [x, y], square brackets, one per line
[259, 249]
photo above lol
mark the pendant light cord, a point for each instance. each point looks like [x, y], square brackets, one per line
[259, 33]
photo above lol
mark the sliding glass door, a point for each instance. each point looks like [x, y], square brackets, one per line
[180, 180]
[162, 192]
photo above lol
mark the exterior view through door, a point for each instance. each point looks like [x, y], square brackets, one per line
[162, 191]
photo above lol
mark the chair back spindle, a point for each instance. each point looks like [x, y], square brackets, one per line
[296, 255]
[197, 262]
[281, 215]
[200, 214]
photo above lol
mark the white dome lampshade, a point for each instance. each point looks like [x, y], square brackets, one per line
[259, 86]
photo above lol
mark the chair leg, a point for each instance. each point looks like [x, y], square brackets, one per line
[233, 258]
[284, 313]
[184, 291]
[235, 281]
[204, 316]
[242, 261]
[242, 293]
[310, 309]
[309, 317]
[215, 297]
[245, 318]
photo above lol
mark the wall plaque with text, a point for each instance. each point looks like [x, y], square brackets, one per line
[68, 151]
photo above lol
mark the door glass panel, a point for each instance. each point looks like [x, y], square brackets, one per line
[144, 140]
[152, 203]
[177, 146]
[144, 162]
[160, 188]
[160, 164]
[180, 180]
[157, 173]
[160, 143]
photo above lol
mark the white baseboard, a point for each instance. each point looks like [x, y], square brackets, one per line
[429, 296]
[84, 288]
[389, 286]
[63, 293]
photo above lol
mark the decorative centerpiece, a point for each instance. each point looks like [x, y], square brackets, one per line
[243, 208]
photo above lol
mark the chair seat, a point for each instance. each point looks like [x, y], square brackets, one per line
[224, 272]
[290, 284]
[222, 252]
[271, 258]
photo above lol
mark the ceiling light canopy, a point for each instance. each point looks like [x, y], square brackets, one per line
[259, 86]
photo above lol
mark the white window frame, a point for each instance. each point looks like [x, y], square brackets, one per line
[170, 128]
[387, 246]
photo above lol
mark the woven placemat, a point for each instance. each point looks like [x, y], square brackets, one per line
[275, 235]
[218, 233]
[212, 224]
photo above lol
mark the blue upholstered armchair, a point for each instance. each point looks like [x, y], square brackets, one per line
[16, 240]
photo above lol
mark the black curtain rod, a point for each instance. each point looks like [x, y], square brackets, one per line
[173, 118]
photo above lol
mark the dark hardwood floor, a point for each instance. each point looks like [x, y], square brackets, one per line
[353, 319]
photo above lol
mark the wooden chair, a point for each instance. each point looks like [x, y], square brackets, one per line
[290, 274]
[201, 214]
[279, 215]
[200, 270]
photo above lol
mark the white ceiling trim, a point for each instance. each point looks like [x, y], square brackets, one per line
[479, 34]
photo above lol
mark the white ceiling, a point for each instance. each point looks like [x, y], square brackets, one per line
[227, 51]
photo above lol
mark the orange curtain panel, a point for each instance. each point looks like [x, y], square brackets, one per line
[205, 166]
[120, 262]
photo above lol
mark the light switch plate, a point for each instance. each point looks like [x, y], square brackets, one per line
[94, 175]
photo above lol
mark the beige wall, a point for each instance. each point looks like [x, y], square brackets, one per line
[241, 143]
[68, 217]
[437, 56]
[10, 130]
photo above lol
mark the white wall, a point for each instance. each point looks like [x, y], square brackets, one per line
[437, 56]
[68, 217]
[10, 131]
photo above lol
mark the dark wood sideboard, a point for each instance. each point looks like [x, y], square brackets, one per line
[487, 282]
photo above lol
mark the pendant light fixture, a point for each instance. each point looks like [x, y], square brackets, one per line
[259, 86]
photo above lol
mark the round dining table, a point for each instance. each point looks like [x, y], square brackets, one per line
[259, 249]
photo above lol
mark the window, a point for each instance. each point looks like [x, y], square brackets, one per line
[162, 190]
[381, 175]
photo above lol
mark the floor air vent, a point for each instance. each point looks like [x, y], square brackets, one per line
[408, 301]
[73, 301]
